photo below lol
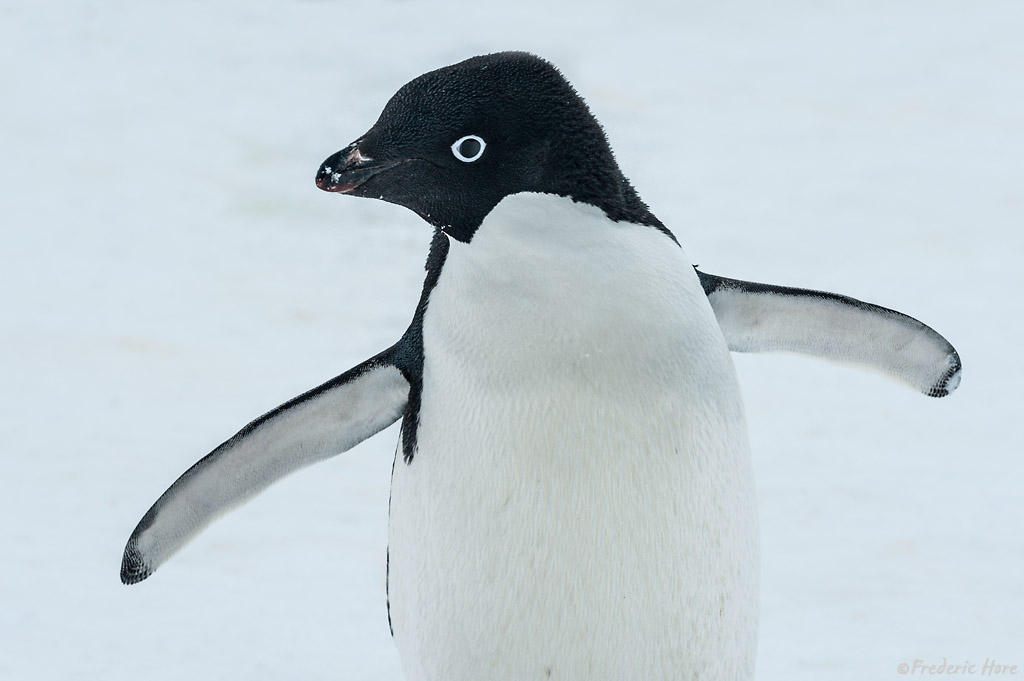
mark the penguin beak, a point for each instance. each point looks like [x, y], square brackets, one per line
[344, 171]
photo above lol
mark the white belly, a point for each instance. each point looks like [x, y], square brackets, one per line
[580, 504]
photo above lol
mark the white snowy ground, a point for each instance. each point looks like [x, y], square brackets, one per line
[168, 271]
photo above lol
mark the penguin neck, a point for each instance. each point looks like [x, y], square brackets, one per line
[556, 288]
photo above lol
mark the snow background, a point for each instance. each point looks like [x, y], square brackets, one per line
[168, 272]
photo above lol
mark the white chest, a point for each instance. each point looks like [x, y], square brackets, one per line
[580, 505]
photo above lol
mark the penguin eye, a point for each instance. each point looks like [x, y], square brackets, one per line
[469, 148]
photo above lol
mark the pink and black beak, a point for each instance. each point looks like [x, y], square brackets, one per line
[348, 169]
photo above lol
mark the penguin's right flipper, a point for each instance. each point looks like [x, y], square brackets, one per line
[766, 318]
[318, 424]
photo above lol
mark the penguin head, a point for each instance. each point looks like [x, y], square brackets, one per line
[451, 144]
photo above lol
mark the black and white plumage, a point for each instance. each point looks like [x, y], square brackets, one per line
[572, 497]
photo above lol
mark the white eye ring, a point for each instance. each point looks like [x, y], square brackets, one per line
[457, 148]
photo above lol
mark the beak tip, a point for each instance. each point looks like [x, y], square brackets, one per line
[348, 169]
[330, 180]
[322, 181]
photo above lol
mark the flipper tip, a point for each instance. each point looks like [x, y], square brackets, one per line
[950, 379]
[133, 568]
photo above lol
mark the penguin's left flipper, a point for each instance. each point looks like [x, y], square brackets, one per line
[311, 427]
[766, 318]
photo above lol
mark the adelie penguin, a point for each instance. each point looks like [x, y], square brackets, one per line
[572, 495]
